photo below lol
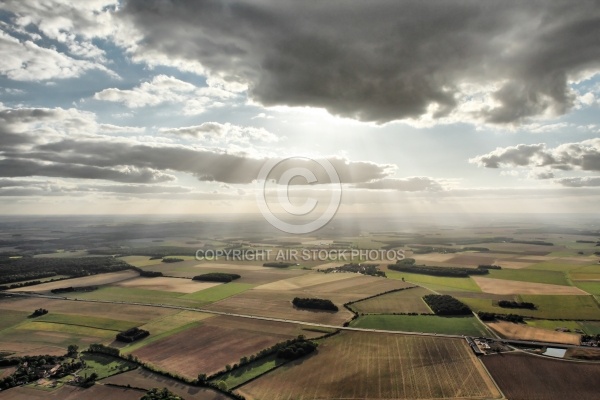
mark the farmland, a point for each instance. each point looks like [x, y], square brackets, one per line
[142, 378]
[502, 286]
[423, 323]
[67, 392]
[226, 339]
[522, 376]
[359, 365]
[511, 330]
[178, 285]
[548, 307]
[439, 283]
[92, 280]
[403, 301]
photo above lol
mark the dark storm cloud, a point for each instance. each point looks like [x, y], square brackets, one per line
[384, 60]
[583, 155]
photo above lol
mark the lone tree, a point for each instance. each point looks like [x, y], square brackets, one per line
[72, 350]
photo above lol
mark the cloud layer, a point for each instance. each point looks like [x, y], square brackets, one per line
[394, 61]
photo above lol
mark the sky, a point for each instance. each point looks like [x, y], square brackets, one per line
[173, 107]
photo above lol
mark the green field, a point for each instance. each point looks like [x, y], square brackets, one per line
[243, 374]
[85, 321]
[217, 293]
[592, 287]
[10, 318]
[436, 283]
[552, 325]
[68, 329]
[525, 275]
[423, 323]
[549, 307]
[591, 327]
[104, 365]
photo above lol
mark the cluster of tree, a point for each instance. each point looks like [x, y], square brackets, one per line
[314, 303]
[100, 348]
[32, 368]
[29, 268]
[489, 316]
[39, 312]
[74, 289]
[443, 304]
[406, 261]
[438, 271]
[489, 266]
[365, 269]
[89, 380]
[474, 248]
[279, 264]
[516, 304]
[157, 257]
[297, 350]
[172, 260]
[146, 274]
[132, 334]
[216, 277]
[586, 241]
[536, 242]
[22, 284]
[160, 394]
[590, 338]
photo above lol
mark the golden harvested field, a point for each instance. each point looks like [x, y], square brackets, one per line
[67, 392]
[216, 342]
[506, 287]
[404, 301]
[510, 330]
[524, 376]
[135, 314]
[378, 366]
[305, 281]
[142, 378]
[179, 285]
[92, 280]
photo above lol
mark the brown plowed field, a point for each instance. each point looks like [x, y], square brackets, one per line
[218, 341]
[523, 376]
[368, 366]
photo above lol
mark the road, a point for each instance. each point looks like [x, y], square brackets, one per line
[296, 322]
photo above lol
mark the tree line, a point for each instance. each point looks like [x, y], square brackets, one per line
[28, 268]
[216, 277]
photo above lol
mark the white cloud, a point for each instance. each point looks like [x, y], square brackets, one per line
[167, 89]
[26, 61]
